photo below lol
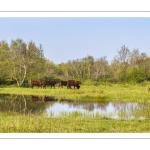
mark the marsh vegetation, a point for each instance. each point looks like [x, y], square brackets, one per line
[131, 102]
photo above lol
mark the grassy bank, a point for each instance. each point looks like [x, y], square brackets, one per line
[12, 123]
[107, 92]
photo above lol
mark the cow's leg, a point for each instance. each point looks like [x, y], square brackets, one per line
[78, 86]
[44, 86]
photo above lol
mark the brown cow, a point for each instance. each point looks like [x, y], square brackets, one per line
[51, 83]
[62, 83]
[73, 83]
[37, 83]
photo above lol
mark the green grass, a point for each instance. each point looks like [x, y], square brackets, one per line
[16, 123]
[107, 92]
[11, 122]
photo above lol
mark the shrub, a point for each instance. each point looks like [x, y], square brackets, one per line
[136, 75]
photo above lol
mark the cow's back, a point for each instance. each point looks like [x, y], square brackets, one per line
[73, 83]
[62, 83]
[37, 83]
[51, 83]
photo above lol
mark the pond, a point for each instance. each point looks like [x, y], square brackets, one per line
[51, 107]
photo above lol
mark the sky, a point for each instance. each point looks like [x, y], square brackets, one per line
[71, 38]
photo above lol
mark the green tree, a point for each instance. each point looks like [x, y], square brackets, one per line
[100, 69]
[20, 61]
[36, 62]
[50, 70]
[4, 63]
[140, 61]
[136, 75]
[121, 63]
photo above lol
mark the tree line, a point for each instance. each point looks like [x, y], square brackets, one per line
[20, 62]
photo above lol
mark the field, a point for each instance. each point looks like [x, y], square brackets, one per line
[13, 123]
[75, 123]
[102, 92]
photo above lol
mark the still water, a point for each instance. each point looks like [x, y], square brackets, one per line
[52, 107]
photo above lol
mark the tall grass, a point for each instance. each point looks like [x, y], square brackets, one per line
[72, 123]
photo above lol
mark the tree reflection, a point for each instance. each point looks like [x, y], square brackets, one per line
[37, 104]
[23, 103]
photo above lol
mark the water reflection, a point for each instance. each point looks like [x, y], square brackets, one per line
[51, 105]
[44, 98]
[19, 103]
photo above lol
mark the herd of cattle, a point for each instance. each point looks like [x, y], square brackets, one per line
[52, 83]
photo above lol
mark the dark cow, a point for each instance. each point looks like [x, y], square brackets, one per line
[37, 83]
[62, 83]
[51, 83]
[36, 98]
[73, 83]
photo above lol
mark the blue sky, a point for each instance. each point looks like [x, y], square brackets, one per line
[69, 38]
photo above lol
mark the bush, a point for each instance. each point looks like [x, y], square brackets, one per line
[136, 75]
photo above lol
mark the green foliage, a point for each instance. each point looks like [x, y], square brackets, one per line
[21, 62]
[136, 75]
